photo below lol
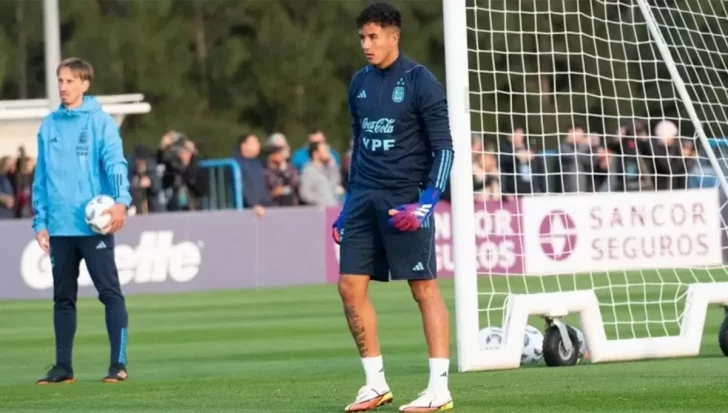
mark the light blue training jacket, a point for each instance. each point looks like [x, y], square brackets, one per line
[80, 156]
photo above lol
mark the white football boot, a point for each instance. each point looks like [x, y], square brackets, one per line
[430, 400]
[370, 398]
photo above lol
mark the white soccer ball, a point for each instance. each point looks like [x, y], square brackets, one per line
[491, 338]
[532, 352]
[95, 218]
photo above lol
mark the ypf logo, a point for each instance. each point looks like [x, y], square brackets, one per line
[557, 235]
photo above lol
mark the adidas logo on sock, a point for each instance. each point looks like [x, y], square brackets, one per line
[362, 95]
[418, 267]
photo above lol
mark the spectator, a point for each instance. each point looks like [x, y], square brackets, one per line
[7, 194]
[667, 164]
[486, 183]
[164, 154]
[301, 157]
[281, 178]
[476, 144]
[576, 161]
[629, 164]
[514, 164]
[603, 180]
[320, 177]
[255, 191]
[183, 179]
[695, 171]
[22, 180]
[278, 140]
[146, 184]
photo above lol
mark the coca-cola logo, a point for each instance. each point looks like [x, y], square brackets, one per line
[383, 125]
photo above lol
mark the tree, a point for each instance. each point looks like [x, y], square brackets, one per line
[213, 69]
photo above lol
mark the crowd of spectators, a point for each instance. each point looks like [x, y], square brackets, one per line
[637, 157]
[170, 178]
[275, 176]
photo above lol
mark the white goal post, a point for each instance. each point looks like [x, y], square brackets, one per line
[640, 288]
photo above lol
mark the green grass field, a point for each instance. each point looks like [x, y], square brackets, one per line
[288, 350]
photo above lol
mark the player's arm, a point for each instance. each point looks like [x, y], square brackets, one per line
[39, 190]
[114, 163]
[355, 130]
[351, 180]
[432, 106]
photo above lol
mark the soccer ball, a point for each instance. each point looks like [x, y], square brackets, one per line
[491, 338]
[95, 218]
[532, 352]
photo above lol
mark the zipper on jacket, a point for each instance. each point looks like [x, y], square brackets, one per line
[381, 86]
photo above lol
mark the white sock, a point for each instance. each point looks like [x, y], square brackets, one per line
[374, 371]
[439, 371]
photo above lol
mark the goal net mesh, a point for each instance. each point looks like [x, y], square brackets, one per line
[589, 172]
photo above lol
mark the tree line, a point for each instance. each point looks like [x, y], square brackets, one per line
[214, 69]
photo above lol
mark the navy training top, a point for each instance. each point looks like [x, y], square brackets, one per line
[400, 128]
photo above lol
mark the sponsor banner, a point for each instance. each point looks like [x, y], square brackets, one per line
[622, 231]
[497, 237]
[183, 252]
[497, 229]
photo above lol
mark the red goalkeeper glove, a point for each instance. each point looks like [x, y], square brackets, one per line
[409, 217]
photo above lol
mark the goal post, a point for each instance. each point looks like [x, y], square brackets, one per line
[461, 188]
[586, 187]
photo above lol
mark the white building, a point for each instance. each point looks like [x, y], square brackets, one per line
[20, 119]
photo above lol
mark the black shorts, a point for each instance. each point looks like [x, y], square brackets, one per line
[370, 246]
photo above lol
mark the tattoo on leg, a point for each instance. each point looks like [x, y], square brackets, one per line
[357, 329]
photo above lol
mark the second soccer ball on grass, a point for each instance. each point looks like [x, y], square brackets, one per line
[532, 351]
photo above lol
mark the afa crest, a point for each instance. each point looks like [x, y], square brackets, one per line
[398, 93]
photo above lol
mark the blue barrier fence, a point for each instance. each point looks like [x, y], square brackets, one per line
[226, 184]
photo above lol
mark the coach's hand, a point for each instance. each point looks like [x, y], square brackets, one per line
[118, 217]
[43, 240]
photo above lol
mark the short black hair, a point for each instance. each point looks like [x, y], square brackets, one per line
[243, 138]
[383, 14]
[313, 147]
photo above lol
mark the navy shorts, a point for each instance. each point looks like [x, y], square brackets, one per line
[369, 246]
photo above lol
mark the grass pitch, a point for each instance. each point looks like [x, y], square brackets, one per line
[288, 350]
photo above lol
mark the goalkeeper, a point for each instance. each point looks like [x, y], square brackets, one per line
[80, 156]
[401, 162]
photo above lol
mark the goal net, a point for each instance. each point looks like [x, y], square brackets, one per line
[591, 136]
